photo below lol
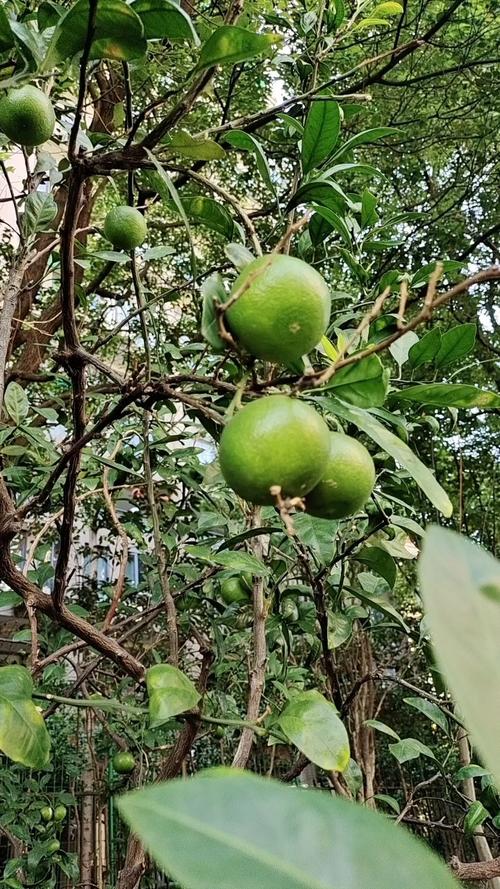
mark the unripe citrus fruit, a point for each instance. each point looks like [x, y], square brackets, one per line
[347, 481]
[53, 846]
[284, 311]
[274, 441]
[289, 610]
[60, 813]
[125, 227]
[46, 813]
[123, 762]
[27, 116]
[236, 589]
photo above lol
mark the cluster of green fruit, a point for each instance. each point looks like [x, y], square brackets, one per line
[53, 817]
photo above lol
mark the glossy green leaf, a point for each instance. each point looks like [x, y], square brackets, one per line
[23, 735]
[364, 138]
[325, 194]
[456, 343]
[212, 292]
[246, 831]
[382, 727]
[369, 215]
[400, 452]
[186, 145]
[432, 711]
[363, 384]
[389, 801]
[370, 22]
[410, 748]
[457, 579]
[230, 44]
[16, 403]
[207, 211]
[335, 222]
[39, 211]
[472, 771]
[449, 395]
[311, 723]
[119, 33]
[426, 349]
[170, 692]
[378, 560]
[450, 268]
[246, 142]
[476, 815]
[316, 534]
[165, 18]
[321, 133]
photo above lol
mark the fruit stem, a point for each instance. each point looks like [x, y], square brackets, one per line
[239, 723]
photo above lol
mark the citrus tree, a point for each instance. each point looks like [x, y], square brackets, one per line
[242, 367]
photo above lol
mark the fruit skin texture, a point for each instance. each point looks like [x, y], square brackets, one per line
[46, 813]
[125, 228]
[236, 589]
[53, 846]
[274, 441]
[27, 116]
[123, 762]
[285, 311]
[60, 813]
[347, 481]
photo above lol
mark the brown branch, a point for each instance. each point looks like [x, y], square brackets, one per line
[475, 872]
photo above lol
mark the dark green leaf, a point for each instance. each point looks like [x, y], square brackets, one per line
[335, 221]
[311, 723]
[170, 692]
[316, 534]
[212, 291]
[168, 191]
[185, 144]
[456, 577]
[380, 561]
[449, 395]
[39, 211]
[382, 727]
[369, 215]
[456, 343]
[426, 349]
[450, 266]
[23, 735]
[432, 711]
[321, 132]
[230, 44]
[367, 136]
[326, 194]
[165, 18]
[363, 384]
[240, 826]
[238, 561]
[118, 34]
[6, 38]
[389, 801]
[475, 816]
[400, 452]
[246, 142]
[16, 403]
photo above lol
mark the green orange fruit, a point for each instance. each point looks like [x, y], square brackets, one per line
[53, 846]
[274, 441]
[27, 116]
[60, 813]
[123, 762]
[125, 227]
[283, 310]
[46, 814]
[236, 589]
[346, 482]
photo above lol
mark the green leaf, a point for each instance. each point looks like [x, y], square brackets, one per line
[246, 142]
[335, 221]
[16, 403]
[6, 37]
[426, 349]
[118, 33]
[240, 826]
[311, 723]
[237, 561]
[369, 215]
[369, 23]
[326, 194]
[165, 18]
[400, 349]
[389, 801]
[450, 266]
[460, 583]
[380, 603]
[230, 44]
[456, 343]
[209, 212]
[23, 735]
[378, 560]
[389, 7]
[410, 748]
[475, 816]
[449, 395]
[364, 138]
[170, 692]
[317, 534]
[472, 771]
[185, 144]
[39, 211]
[212, 291]
[8, 599]
[382, 727]
[168, 191]
[432, 711]
[400, 452]
[363, 384]
[339, 629]
[321, 133]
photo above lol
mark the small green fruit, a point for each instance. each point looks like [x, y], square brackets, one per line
[27, 116]
[236, 588]
[219, 731]
[125, 227]
[289, 610]
[123, 762]
[46, 813]
[53, 846]
[60, 813]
